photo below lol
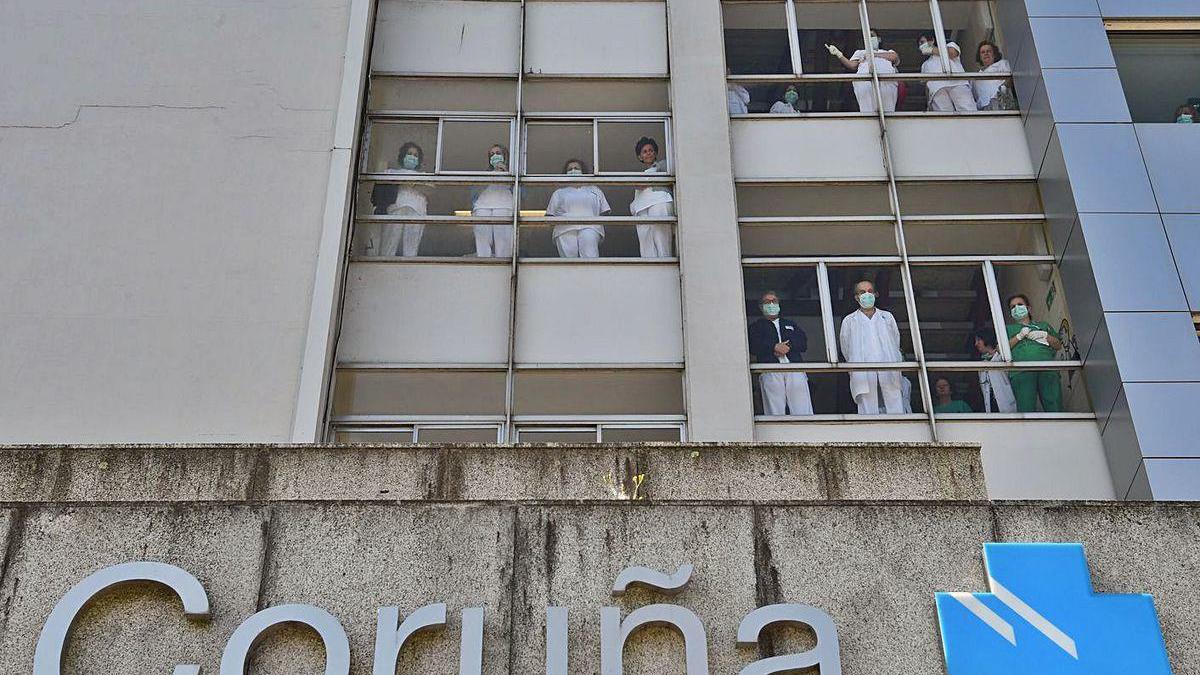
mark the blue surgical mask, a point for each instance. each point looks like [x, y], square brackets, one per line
[770, 309]
[575, 171]
[411, 162]
[874, 42]
[791, 96]
[1019, 312]
[1184, 119]
[866, 300]
[496, 160]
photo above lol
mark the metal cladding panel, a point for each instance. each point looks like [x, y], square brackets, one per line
[1169, 152]
[1166, 415]
[1184, 235]
[1062, 7]
[447, 36]
[1155, 346]
[1121, 447]
[1039, 124]
[1079, 283]
[985, 146]
[1174, 479]
[1115, 9]
[1107, 174]
[1101, 373]
[1086, 95]
[425, 313]
[1072, 43]
[1132, 263]
[596, 38]
[807, 148]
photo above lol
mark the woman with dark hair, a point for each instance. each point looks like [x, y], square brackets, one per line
[494, 201]
[945, 95]
[788, 104]
[988, 92]
[1185, 114]
[577, 201]
[1031, 340]
[404, 238]
[652, 202]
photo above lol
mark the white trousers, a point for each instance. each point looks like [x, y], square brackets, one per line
[655, 240]
[785, 391]
[885, 385]
[950, 99]
[888, 91]
[493, 241]
[578, 244]
[401, 238]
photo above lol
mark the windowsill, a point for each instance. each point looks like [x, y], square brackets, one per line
[951, 418]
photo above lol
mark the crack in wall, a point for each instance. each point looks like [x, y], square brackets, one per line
[95, 106]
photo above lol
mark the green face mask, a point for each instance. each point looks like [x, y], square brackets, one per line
[866, 300]
[1184, 119]
[574, 171]
[770, 309]
[1019, 312]
[411, 162]
[496, 160]
[791, 96]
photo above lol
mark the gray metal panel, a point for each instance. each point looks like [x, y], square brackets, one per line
[1072, 43]
[1174, 479]
[1140, 490]
[1101, 374]
[1079, 285]
[1039, 123]
[1166, 419]
[1132, 263]
[1057, 199]
[1062, 7]
[1086, 95]
[1121, 447]
[1105, 165]
[1155, 346]
[1170, 151]
[1183, 232]
[1149, 8]
[1027, 70]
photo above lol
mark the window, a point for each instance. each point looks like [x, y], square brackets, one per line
[1154, 90]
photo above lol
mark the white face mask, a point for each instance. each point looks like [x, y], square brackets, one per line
[574, 171]
[874, 42]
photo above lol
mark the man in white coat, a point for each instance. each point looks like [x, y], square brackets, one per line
[994, 383]
[870, 335]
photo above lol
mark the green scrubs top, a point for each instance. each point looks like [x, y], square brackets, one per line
[1028, 350]
[953, 407]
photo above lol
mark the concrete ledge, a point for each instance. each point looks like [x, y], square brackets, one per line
[674, 472]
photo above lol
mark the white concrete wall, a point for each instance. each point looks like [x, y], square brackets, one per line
[826, 148]
[162, 175]
[933, 147]
[594, 38]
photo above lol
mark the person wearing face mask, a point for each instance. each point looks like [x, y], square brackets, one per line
[774, 339]
[1185, 114]
[885, 62]
[737, 98]
[788, 104]
[993, 383]
[1032, 340]
[987, 92]
[494, 201]
[652, 201]
[946, 95]
[870, 335]
[404, 238]
[577, 201]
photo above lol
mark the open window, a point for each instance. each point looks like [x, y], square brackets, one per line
[1159, 69]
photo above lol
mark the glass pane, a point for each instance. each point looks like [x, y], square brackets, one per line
[756, 40]
[549, 145]
[968, 197]
[599, 392]
[1009, 391]
[417, 392]
[401, 239]
[377, 436]
[830, 393]
[619, 241]
[970, 24]
[618, 146]
[1154, 92]
[796, 291]
[1047, 307]
[811, 97]
[628, 435]
[981, 238]
[443, 435]
[888, 283]
[952, 304]
[467, 145]
[818, 239]
[440, 200]
[533, 436]
[536, 197]
[385, 139]
[438, 94]
[846, 199]
[594, 95]
[827, 23]
[900, 25]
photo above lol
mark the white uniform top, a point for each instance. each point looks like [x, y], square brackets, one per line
[737, 99]
[586, 201]
[882, 65]
[649, 196]
[782, 359]
[874, 339]
[781, 107]
[986, 90]
[996, 382]
[933, 65]
[493, 197]
[409, 196]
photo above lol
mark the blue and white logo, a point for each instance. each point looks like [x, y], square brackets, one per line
[1042, 618]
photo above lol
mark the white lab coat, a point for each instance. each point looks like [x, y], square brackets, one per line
[404, 238]
[584, 201]
[948, 95]
[737, 99]
[995, 382]
[874, 339]
[653, 201]
[493, 201]
[783, 108]
[987, 90]
[888, 91]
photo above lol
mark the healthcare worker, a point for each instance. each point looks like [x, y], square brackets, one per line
[870, 335]
[737, 98]
[994, 383]
[405, 238]
[885, 61]
[946, 95]
[494, 201]
[944, 401]
[987, 92]
[577, 201]
[774, 339]
[1185, 114]
[652, 201]
[788, 104]
[1032, 340]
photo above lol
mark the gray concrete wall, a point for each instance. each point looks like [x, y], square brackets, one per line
[162, 178]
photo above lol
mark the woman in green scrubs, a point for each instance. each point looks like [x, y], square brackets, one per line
[1032, 340]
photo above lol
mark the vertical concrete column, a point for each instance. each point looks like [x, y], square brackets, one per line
[717, 379]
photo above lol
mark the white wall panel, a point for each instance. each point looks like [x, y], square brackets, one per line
[447, 36]
[597, 313]
[986, 146]
[842, 432]
[596, 38]
[425, 313]
[807, 148]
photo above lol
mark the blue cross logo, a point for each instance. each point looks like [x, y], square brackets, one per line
[1042, 618]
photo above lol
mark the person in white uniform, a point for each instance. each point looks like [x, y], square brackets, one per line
[991, 60]
[737, 98]
[652, 201]
[494, 201]
[404, 239]
[946, 95]
[994, 383]
[774, 339]
[577, 201]
[870, 335]
[885, 61]
[788, 104]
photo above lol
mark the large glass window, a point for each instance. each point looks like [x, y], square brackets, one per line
[1160, 72]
